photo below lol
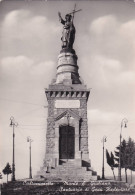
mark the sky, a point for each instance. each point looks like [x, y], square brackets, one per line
[30, 43]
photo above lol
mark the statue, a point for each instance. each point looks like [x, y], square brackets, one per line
[68, 34]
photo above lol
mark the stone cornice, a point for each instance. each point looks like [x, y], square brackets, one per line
[67, 94]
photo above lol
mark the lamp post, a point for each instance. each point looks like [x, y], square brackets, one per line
[30, 168]
[103, 140]
[13, 124]
[123, 123]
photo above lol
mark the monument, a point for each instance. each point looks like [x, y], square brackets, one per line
[67, 167]
[67, 153]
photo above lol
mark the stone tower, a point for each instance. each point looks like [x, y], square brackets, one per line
[67, 154]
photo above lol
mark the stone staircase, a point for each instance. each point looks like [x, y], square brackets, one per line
[69, 171]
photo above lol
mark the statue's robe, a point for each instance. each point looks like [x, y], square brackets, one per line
[68, 34]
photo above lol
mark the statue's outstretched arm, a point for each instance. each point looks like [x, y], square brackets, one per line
[60, 18]
[59, 14]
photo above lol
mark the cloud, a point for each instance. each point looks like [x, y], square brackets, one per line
[128, 29]
[103, 70]
[22, 24]
[126, 78]
[110, 55]
[104, 25]
[20, 64]
[114, 39]
[110, 72]
[40, 69]
[22, 71]
[17, 64]
[22, 32]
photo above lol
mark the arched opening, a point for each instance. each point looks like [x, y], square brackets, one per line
[66, 142]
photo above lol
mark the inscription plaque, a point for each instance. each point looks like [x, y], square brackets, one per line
[67, 104]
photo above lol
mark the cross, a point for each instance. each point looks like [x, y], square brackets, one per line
[74, 11]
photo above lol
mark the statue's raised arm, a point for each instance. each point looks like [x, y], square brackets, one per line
[60, 18]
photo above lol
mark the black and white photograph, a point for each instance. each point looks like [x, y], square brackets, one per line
[67, 97]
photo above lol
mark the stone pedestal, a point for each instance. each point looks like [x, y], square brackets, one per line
[67, 151]
[67, 68]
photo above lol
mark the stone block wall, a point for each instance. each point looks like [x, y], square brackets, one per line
[61, 92]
